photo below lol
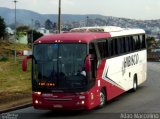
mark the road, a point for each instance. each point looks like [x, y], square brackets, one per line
[145, 100]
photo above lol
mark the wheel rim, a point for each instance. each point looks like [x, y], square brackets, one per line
[135, 85]
[102, 99]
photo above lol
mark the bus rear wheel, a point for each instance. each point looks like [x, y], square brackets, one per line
[134, 85]
[102, 98]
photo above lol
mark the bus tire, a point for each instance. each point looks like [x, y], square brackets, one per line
[102, 98]
[134, 84]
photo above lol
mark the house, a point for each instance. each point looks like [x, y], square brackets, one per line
[9, 31]
[22, 38]
[43, 31]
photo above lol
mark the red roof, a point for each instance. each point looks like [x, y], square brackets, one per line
[72, 37]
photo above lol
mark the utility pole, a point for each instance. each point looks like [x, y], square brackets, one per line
[59, 17]
[15, 34]
[87, 21]
[32, 34]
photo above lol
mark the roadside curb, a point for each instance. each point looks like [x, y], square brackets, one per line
[16, 108]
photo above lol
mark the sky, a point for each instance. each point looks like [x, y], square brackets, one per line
[134, 9]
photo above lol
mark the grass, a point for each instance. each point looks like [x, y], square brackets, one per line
[15, 85]
[3, 59]
[12, 78]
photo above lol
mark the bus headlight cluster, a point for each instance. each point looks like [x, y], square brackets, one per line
[36, 101]
[82, 102]
[39, 93]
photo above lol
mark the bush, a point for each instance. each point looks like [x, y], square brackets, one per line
[3, 59]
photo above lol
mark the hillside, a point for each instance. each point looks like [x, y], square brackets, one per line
[23, 16]
[26, 16]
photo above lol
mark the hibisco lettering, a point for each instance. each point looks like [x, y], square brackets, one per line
[131, 60]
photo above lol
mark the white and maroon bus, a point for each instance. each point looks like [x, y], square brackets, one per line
[86, 67]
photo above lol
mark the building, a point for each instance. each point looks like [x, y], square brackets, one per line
[43, 31]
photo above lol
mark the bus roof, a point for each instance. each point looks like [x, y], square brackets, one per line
[112, 30]
[87, 34]
[97, 29]
[72, 37]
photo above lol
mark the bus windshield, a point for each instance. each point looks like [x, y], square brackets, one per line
[59, 66]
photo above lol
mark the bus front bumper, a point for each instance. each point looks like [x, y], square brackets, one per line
[69, 102]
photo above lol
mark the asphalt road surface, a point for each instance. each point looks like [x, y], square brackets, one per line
[144, 103]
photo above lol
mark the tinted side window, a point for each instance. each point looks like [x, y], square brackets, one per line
[119, 46]
[102, 46]
[137, 42]
[131, 44]
[114, 47]
[92, 51]
[126, 44]
[110, 47]
[123, 49]
[142, 41]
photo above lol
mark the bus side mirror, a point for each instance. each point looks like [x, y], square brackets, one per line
[24, 62]
[88, 63]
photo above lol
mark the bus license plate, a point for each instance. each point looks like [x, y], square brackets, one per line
[58, 106]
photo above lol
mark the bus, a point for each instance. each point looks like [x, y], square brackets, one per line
[86, 67]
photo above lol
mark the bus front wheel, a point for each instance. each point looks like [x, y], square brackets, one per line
[102, 98]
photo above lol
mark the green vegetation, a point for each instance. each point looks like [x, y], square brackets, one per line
[12, 78]
[36, 35]
[3, 59]
[151, 43]
[2, 27]
[26, 30]
[159, 43]
[15, 85]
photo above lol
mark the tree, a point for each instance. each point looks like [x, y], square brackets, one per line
[48, 24]
[22, 28]
[36, 35]
[37, 24]
[55, 26]
[151, 43]
[2, 27]
[159, 43]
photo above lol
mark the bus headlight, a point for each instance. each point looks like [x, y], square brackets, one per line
[36, 101]
[82, 102]
[39, 93]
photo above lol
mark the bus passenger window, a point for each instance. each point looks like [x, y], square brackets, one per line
[129, 44]
[102, 46]
[92, 51]
[137, 42]
[118, 45]
[114, 47]
[110, 47]
[132, 44]
[126, 44]
[122, 41]
[142, 41]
